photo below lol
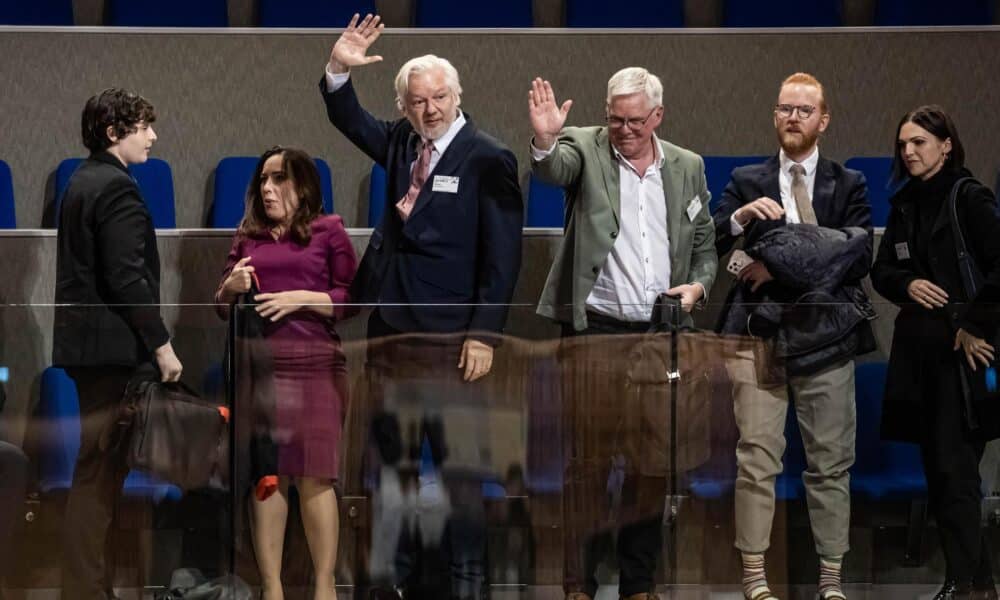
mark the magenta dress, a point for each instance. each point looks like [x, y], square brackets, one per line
[310, 372]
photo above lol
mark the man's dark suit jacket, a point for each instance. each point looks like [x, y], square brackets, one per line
[840, 199]
[108, 271]
[462, 250]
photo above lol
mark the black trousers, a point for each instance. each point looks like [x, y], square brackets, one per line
[954, 490]
[639, 541]
[14, 467]
[96, 489]
[453, 565]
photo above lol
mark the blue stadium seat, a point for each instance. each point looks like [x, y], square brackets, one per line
[36, 12]
[546, 205]
[718, 170]
[59, 415]
[376, 195]
[637, 13]
[938, 12]
[166, 13]
[232, 176]
[311, 13]
[155, 181]
[8, 219]
[882, 470]
[462, 13]
[878, 173]
[781, 13]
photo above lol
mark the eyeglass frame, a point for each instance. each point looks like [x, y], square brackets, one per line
[795, 108]
[627, 122]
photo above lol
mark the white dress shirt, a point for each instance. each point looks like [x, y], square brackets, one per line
[785, 187]
[637, 269]
[335, 81]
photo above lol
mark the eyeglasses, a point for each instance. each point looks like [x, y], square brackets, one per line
[785, 110]
[633, 124]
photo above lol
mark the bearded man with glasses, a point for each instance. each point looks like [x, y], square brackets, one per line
[637, 226]
[800, 193]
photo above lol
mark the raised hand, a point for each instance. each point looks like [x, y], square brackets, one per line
[547, 117]
[351, 48]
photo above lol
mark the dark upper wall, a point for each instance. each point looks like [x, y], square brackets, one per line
[221, 94]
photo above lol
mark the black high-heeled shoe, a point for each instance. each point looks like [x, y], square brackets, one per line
[952, 590]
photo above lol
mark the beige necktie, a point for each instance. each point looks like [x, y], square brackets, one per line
[417, 178]
[801, 195]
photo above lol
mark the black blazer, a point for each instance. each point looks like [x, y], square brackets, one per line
[840, 199]
[108, 271]
[460, 250]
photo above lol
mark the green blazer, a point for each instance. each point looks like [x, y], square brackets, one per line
[583, 164]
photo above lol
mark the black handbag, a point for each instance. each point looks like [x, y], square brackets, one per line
[980, 389]
[173, 434]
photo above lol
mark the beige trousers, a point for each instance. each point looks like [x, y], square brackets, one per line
[824, 406]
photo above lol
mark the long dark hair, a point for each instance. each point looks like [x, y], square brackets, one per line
[937, 122]
[301, 168]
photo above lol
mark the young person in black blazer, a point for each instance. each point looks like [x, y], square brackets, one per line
[107, 317]
[937, 327]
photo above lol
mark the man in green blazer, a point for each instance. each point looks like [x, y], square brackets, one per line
[637, 225]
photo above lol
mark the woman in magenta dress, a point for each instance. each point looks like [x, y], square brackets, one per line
[304, 263]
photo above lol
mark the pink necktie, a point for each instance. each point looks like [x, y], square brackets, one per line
[417, 178]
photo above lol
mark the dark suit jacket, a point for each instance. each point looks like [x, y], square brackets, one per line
[461, 250]
[840, 199]
[108, 271]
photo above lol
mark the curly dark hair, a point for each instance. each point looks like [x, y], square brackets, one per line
[119, 109]
[301, 168]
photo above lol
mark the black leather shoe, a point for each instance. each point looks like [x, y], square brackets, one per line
[952, 590]
[383, 593]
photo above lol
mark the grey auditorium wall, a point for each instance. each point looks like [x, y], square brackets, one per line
[239, 92]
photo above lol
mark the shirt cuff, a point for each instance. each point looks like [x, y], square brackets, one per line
[704, 294]
[537, 154]
[734, 227]
[335, 81]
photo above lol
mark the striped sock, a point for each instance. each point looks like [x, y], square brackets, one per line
[829, 578]
[754, 580]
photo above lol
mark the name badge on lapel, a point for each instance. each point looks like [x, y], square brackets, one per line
[694, 207]
[902, 251]
[444, 183]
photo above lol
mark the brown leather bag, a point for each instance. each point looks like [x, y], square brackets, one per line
[174, 434]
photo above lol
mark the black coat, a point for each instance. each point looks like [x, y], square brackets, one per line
[817, 329]
[108, 271]
[840, 200]
[460, 250]
[923, 368]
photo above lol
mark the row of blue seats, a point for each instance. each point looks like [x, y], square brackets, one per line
[509, 13]
[883, 471]
[545, 207]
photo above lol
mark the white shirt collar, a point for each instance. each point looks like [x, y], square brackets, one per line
[657, 147]
[809, 164]
[441, 144]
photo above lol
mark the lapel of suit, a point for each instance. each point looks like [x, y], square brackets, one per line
[609, 171]
[675, 197]
[824, 188]
[770, 188]
[449, 164]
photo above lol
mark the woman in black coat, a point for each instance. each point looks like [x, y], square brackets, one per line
[938, 326]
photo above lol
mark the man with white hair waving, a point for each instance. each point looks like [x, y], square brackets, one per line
[637, 226]
[443, 260]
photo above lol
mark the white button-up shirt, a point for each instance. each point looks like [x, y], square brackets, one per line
[637, 269]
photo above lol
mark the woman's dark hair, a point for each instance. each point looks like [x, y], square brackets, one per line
[119, 109]
[301, 169]
[937, 122]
